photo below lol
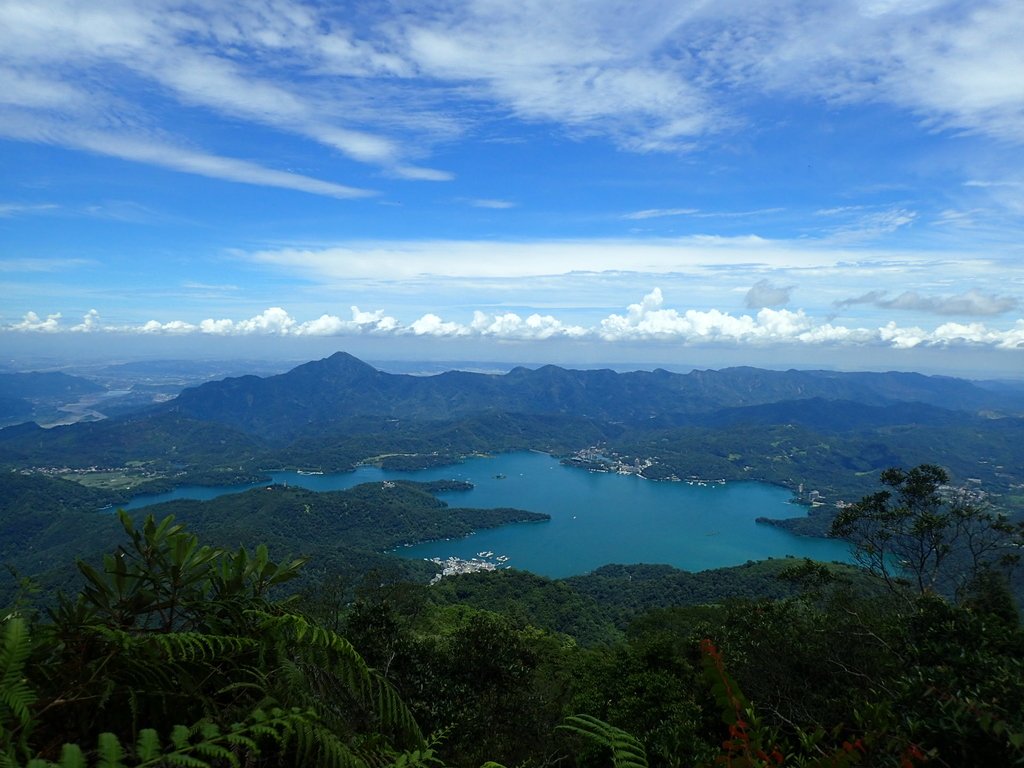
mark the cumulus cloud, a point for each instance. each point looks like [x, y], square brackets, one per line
[273, 321]
[90, 322]
[361, 322]
[970, 302]
[648, 320]
[764, 293]
[432, 325]
[512, 326]
[32, 322]
[174, 327]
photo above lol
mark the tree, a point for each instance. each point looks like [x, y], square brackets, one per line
[174, 654]
[927, 536]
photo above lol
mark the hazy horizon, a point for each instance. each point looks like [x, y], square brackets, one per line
[490, 358]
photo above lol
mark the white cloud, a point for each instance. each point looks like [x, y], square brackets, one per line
[32, 322]
[954, 64]
[417, 173]
[408, 260]
[192, 285]
[384, 85]
[90, 75]
[222, 327]
[273, 321]
[9, 210]
[512, 326]
[361, 322]
[432, 325]
[696, 213]
[90, 322]
[656, 213]
[867, 226]
[40, 265]
[483, 202]
[145, 150]
[174, 327]
[648, 320]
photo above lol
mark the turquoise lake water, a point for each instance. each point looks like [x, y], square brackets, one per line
[596, 518]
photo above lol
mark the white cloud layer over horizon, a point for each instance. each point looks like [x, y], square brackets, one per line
[647, 320]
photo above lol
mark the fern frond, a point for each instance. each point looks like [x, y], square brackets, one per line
[71, 757]
[183, 760]
[347, 668]
[110, 751]
[201, 746]
[319, 746]
[179, 737]
[626, 749]
[15, 694]
[179, 646]
[148, 745]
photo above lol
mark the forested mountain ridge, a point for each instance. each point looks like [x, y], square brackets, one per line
[41, 395]
[341, 387]
[45, 385]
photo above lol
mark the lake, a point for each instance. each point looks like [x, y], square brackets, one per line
[596, 518]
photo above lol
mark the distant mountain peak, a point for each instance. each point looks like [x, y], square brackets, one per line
[338, 363]
[341, 355]
[344, 359]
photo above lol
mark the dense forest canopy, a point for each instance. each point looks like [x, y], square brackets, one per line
[175, 652]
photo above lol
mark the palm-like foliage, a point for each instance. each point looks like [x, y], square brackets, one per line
[172, 632]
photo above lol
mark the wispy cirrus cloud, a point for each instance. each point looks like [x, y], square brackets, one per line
[41, 265]
[98, 76]
[858, 223]
[10, 210]
[491, 203]
[510, 259]
[382, 86]
[657, 213]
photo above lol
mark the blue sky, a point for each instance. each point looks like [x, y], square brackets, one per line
[699, 183]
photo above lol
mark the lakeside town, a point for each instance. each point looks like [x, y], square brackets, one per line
[598, 459]
[455, 566]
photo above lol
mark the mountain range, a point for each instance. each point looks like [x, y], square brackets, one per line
[333, 391]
